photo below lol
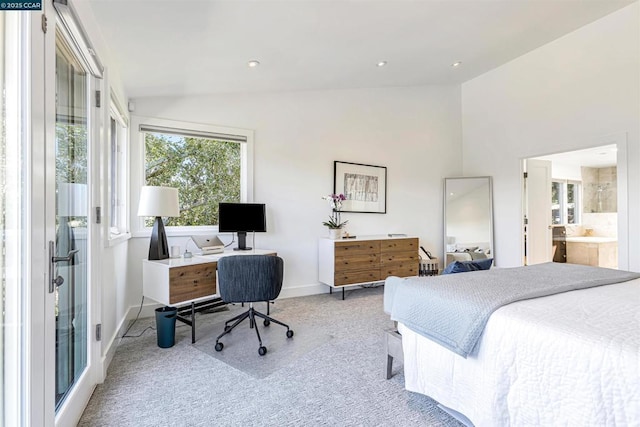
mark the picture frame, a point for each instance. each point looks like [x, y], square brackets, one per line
[365, 187]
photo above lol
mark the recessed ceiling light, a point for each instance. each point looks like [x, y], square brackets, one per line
[381, 63]
[456, 64]
[253, 63]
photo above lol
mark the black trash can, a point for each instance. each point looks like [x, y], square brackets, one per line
[166, 326]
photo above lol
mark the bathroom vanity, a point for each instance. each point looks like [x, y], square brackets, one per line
[592, 250]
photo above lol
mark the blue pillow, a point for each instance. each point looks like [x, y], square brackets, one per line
[466, 266]
[455, 267]
[483, 264]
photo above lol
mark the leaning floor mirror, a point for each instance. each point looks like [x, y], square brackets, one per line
[468, 219]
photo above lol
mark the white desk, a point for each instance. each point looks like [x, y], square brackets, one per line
[176, 281]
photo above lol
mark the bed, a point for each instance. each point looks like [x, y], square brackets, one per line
[572, 358]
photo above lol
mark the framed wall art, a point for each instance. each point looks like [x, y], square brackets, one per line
[365, 186]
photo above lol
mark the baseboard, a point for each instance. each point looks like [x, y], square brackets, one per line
[304, 290]
[148, 310]
[111, 347]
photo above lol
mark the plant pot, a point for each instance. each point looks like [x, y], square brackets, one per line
[335, 233]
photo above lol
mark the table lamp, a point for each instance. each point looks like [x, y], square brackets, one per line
[158, 202]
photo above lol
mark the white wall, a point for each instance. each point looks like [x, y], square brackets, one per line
[566, 171]
[414, 132]
[573, 93]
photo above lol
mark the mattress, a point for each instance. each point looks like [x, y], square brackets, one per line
[566, 359]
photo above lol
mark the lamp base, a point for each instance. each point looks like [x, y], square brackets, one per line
[159, 248]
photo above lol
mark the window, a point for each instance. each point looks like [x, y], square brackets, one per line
[207, 165]
[117, 173]
[565, 202]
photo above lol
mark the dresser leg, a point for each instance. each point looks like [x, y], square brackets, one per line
[343, 293]
[193, 323]
[330, 290]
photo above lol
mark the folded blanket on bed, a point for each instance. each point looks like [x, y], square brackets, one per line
[453, 310]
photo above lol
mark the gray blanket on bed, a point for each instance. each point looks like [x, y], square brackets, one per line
[453, 309]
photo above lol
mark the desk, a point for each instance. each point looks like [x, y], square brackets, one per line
[176, 281]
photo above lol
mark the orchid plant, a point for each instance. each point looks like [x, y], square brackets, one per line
[335, 202]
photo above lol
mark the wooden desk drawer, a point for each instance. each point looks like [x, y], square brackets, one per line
[193, 281]
[356, 261]
[399, 245]
[360, 276]
[357, 247]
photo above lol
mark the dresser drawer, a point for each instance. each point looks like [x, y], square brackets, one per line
[356, 261]
[191, 282]
[392, 257]
[360, 276]
[400, 269]
[358, 247]
[399, 245]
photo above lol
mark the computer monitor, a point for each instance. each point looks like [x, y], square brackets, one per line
[241, 218]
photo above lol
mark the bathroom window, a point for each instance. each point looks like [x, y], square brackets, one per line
[565, 202]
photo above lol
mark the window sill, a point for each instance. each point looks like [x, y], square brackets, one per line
[118, 239]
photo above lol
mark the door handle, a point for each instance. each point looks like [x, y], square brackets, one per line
[69, 256]
[53, 259]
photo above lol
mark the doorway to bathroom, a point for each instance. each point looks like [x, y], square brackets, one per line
[571, 211]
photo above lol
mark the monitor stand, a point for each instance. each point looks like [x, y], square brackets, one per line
[242, 242]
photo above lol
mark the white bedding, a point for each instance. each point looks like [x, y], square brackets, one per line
[566, 359]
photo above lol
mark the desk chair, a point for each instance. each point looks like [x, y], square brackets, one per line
[250, 278]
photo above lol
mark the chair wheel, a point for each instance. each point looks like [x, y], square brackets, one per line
[266, 322]
[219, 346]
[289, 333]
[262, 351]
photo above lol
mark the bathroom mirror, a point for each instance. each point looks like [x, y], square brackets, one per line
[468, 219]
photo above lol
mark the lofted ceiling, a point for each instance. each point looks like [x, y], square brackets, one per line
[189, 47]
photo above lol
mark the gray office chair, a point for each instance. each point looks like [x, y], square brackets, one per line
[250, 278]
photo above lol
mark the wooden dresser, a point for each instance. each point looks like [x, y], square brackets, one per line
[366, 259]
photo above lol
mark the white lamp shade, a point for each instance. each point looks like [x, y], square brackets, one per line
[72, 199]
[158, 201]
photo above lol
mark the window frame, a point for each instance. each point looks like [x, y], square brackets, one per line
[116, 112]
[564, 202]
[138, 228]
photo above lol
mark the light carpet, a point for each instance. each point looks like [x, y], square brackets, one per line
[241, 345]
[334, 376]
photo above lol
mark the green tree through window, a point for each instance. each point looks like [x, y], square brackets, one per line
[205, 172]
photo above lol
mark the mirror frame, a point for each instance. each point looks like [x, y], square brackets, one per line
[444, 215]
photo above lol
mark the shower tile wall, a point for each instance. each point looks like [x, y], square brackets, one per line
[599, 187]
